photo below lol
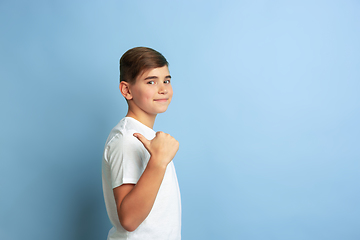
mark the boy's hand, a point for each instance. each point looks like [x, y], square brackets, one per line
[162, 147]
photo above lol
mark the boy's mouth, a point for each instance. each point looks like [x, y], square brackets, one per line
[161, 100]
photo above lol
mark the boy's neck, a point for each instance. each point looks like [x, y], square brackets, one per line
[146, 119]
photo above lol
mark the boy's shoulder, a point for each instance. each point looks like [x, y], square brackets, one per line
[123, 131]
[122, 141]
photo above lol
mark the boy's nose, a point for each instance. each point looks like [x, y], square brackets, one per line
[163, 90]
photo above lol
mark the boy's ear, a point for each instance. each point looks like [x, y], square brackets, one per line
[125, 90]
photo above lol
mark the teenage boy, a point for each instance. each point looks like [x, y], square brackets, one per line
[140, 186]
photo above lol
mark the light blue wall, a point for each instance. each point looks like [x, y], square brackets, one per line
[266, 109]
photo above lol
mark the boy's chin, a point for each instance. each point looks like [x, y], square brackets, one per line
[162, 110]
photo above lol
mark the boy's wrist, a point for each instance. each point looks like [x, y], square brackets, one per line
[156, 163]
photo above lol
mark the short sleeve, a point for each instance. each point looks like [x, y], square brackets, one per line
[126, 158]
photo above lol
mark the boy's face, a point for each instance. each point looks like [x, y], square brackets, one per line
[152, 91]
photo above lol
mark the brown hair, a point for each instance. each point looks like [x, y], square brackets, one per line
[137, 60]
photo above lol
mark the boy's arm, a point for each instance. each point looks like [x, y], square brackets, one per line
[134, 202]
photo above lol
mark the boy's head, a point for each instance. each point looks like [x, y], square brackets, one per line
[137, 60]
[145, 82]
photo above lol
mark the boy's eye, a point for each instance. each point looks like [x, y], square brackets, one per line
[167, 81]
[150, 82]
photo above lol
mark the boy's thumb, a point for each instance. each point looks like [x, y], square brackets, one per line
[143, 140]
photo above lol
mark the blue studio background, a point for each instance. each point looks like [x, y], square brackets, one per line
[266, 109]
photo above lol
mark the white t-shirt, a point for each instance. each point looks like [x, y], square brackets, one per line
[124, 160]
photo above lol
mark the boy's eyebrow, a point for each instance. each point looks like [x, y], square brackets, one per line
[155, 77]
